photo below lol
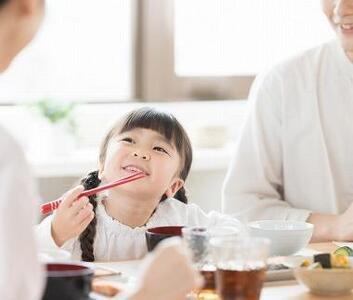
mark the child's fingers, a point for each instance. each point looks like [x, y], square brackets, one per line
[84, 213]
[85, 222]
[78, 205]
[70, 197]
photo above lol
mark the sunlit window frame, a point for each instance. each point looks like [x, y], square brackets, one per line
[155, 51]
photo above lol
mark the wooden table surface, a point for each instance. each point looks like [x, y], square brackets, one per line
[285, 290]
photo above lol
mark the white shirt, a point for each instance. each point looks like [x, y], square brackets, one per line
[295, 154]
[115, 241]
[21, 276]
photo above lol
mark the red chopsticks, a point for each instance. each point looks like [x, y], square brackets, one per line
[50, 206]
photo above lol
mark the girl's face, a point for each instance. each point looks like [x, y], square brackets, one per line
[340, 15]
[143, 150]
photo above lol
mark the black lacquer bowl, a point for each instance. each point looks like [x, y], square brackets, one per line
[69, 281]
[156, 234]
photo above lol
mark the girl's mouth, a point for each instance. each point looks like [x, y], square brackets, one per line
[135, 169]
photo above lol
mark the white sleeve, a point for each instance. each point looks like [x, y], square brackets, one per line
[21, 275]
[43, 234]
[45, 239]
[253, 186]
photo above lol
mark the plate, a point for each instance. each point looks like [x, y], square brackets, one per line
[290, 262]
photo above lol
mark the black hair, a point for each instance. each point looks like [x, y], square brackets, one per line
[2, 2]
[162, 122]
[168, 126]
[86, 238]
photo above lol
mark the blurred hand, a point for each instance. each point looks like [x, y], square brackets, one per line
[167, 273]
[344, 227]
[332, 227]
[72, 217]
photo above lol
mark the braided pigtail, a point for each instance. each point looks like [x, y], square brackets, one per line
[86, 238]
[181, 195]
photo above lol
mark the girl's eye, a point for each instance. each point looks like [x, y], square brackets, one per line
[160, 149]
[127, 140]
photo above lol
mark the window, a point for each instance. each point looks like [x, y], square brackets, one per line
[83, 52]
[212, 49]
[242, 37]
[114, 50]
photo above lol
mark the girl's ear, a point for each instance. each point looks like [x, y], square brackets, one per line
[174, 187]
[100, 171]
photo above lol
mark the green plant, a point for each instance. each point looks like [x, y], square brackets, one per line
[56, 112]
[53, 111]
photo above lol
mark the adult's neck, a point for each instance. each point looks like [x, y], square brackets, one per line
[129, 210]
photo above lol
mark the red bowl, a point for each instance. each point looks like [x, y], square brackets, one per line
[156, 234]
[69, 281]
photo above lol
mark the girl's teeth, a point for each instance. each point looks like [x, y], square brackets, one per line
[133, 169]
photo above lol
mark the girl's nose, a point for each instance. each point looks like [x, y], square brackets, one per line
[143, 155]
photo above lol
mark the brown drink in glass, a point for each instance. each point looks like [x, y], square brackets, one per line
[197, 240]
[240, 284]
[240, 266]
[209, 279]
[208, 290]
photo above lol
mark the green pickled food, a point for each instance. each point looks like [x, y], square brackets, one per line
[345, 250]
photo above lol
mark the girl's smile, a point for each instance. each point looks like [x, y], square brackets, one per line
[131, 169]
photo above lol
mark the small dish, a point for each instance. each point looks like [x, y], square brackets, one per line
[285, 264]
[326, 282]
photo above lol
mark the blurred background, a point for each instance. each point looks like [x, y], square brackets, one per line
[94, 60]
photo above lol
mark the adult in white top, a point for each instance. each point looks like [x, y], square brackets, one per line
[294, 158]
[116, 241]
[20, 272]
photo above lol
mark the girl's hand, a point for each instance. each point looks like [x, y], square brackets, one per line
[72, 217]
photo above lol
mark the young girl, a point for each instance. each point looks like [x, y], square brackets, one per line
[112, 225]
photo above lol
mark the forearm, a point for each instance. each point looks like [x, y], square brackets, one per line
[255, 206]
[325, 227]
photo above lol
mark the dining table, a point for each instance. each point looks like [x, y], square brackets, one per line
[272, 290]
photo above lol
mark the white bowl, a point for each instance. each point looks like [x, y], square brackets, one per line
[287, 237]
[326, 282]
